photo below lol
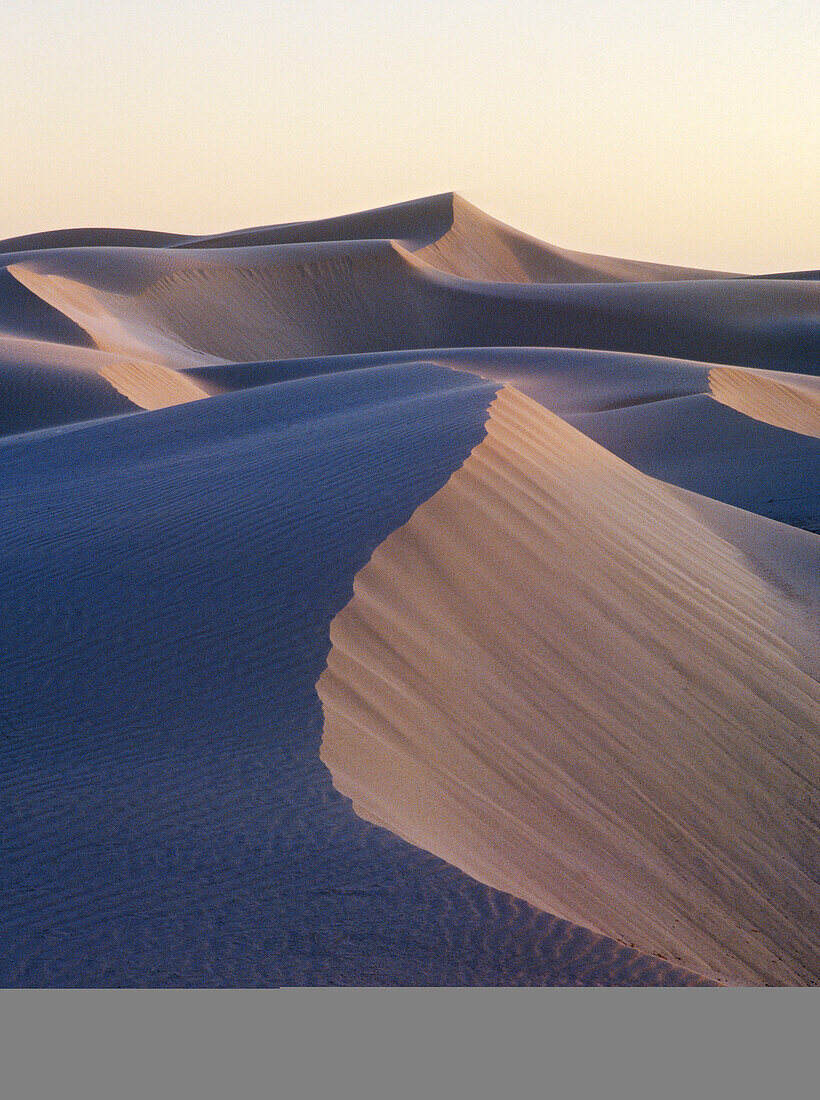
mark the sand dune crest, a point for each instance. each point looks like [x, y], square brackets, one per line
[145, 384]
[477, 246]
[151, 386]
[556, 677]
[790, 401]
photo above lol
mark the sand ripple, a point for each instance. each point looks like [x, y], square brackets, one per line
[558, 678]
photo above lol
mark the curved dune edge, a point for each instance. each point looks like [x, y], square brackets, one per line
[151, 386]
[557, 678]
[477, 246]
[147, 385]
[116, 322]
[788, 401]
[188, 309]
[444, 230]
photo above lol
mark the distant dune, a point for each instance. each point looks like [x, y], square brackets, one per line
[398, 599]
[789, 401]
[64, 383]
[475, 284]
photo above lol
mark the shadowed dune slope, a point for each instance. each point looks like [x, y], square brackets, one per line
[792, 275]
[572, 380]
[753, 323]
[23, 313]
[567, 380]
[699, 444]
[172, 577]
[44, 384]
[790, 401]
[476, 246]
[187, 306]
[656, 413]
[86, 238]
[556, 677]
[183, 308]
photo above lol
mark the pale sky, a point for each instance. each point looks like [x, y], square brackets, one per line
[682, 131]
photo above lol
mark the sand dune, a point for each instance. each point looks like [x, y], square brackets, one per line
[557, 678]
[24, 314]
[656, 413]
[581, 658]
[151, 386]
[87, 238]
[445, 231]
[476, 246]
[790, 401]
[567, 380]
[752, 323]
[700, 444]
[573, 380]
[415, 223]
[171, 577]
[182, 306]
[44, 383]
[786, 557]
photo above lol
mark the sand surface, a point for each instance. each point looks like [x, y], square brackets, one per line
[790, 401]
[557, 678]
[543, 528]
[45, 383]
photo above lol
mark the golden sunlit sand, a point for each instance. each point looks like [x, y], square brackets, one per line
[557, 678]
[398, 599]
[789, 401]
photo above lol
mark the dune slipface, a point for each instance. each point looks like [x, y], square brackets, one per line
[397, 599]
[787, 401]
[557, 678]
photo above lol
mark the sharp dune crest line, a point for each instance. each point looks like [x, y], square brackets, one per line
[477, 246]
[151, 386]
[785, 400]
[559, 679]
[148, 385]
[117, 323]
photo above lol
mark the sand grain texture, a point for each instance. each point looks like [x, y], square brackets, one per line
[790, 401]
[593, 690]
[559, 679]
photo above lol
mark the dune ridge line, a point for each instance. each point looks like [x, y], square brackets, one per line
[790, 401]
[559, 679]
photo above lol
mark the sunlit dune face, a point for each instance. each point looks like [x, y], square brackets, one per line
[151, 386]
[787, 401]
[580, 669]
[557, 678]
